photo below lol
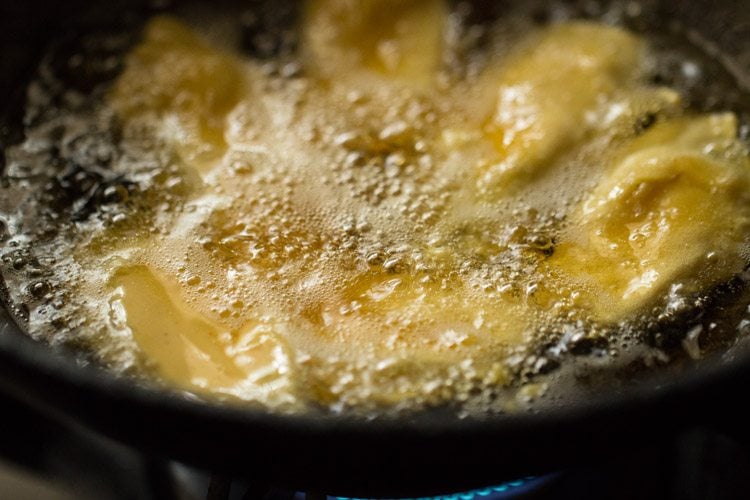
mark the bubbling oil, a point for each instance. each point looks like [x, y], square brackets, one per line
[343, 225]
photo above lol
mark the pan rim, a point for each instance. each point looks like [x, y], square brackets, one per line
[713, 375]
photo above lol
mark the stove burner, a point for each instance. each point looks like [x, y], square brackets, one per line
[691, 465]
[504, 491]
[221, 489]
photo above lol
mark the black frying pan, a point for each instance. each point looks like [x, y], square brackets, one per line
[425, 453]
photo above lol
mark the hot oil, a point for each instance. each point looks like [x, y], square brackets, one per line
[376, 274]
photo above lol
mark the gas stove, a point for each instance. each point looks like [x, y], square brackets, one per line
[44, 459]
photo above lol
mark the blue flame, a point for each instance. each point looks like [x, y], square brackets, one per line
[502, 491]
